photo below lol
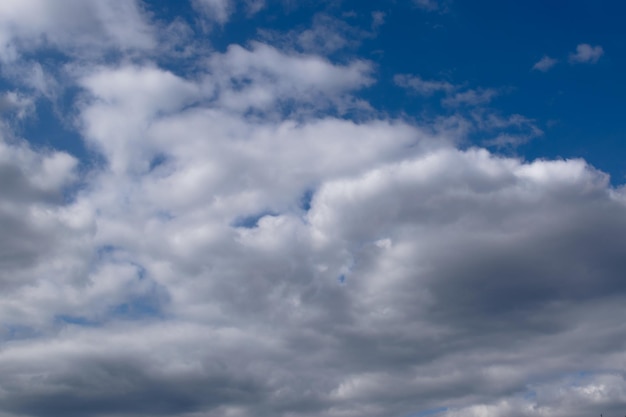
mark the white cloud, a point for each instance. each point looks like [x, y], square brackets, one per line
[259, 77]
[513, 130]
[421, 86]
[378, 270]
[326, 35]
[545, 64]
[17, 104]
[116, 93]
[255, 6]
[454, 95]
[416, 236]
[471, 97]
[75, 26]
[586, 53]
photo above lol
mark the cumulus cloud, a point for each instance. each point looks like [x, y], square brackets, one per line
[586, 54]
[545, 64]
[243, 249]
[259, 77]
[72, 26]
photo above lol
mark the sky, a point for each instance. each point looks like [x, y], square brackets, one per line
[280, 208]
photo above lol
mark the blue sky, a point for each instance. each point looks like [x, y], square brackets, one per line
[249, 208]
[490, 44]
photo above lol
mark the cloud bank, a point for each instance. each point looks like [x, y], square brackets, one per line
[244, 246]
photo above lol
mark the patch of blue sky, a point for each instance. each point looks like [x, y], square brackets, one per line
[76, 320]
[252, 221]
[147, 306]
[306, 199]
[157, 161]
[530, 395]
[106, 251]
[140, 308]
[10, 332]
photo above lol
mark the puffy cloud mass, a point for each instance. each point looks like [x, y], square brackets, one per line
[586, 53]
[242, 248]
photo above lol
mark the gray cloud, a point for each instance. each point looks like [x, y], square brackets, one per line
[382, 271]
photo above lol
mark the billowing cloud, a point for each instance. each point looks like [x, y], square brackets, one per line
[586, 54]
[242, 248]
[259, 77]
[72, 25]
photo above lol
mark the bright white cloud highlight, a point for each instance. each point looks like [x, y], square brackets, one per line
[75, 26]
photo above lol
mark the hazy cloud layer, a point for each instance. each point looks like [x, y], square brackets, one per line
[243, 249]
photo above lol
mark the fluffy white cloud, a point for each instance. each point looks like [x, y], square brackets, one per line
[586, 54]
[262, 77]
[72, 25]
[243, 250]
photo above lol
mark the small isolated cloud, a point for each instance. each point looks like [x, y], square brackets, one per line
[586, 54]
[429, 5]
[471, 97]
[545, 64]
[421, 86]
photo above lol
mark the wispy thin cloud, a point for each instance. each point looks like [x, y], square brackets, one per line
[471, 97]
[419, 85]
[429, 5]
[545, 64]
